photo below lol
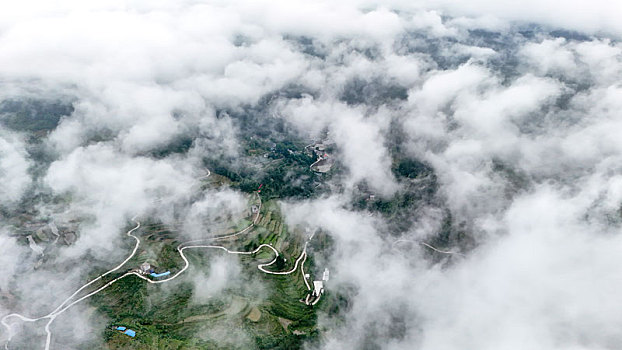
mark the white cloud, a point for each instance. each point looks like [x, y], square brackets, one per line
[222, 272]
[580, 15]
[522, 133]
[550, 56]
[113, 187]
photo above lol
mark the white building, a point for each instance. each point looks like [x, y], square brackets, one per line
[325, 275]
[318, 288]
[144, 268]
[34, 246]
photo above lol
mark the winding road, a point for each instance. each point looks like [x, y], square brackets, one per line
[62, 308]
[428, 246]
[66, 304]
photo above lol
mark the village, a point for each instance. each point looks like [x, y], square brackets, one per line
[321, 150]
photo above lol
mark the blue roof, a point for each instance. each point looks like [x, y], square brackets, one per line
[153, 274]
[130, 332]
[121, 328]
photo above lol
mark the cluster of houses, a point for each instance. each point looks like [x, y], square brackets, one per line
[324, 161]
[50, 233]
[40, 236]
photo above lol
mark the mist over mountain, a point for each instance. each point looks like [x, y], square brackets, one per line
[456, 166]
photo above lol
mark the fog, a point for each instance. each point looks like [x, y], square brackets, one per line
[512, 110]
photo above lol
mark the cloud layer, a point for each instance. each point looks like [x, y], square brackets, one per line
[513, 107]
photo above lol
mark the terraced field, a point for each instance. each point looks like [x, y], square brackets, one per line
[256, 310]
